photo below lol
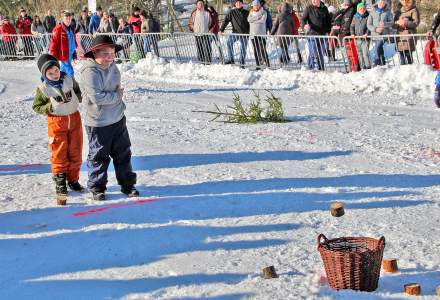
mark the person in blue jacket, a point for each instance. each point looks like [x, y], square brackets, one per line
[95, 20]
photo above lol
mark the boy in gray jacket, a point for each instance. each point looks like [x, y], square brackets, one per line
[359, 28]
[100, 83]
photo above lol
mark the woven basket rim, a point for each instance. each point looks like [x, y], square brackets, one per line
[321, 245]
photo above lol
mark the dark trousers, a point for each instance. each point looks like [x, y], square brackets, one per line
[204, 48]
[259, 44]
[405, 57]
[107, 142]
[284, 45]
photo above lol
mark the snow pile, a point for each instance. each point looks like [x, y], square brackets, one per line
[414, 81]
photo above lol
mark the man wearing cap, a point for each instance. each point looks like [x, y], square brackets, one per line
[95, 20]
[240, 25]
[63, 44]
[105, 123]
[49, 22]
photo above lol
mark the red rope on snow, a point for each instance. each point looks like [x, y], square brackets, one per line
[114, 205]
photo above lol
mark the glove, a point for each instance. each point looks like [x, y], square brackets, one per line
[437, 96]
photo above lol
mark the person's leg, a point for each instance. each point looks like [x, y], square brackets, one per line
[199, 48]
[230, 47]
[409, 57]
[320, 47]
[256, 52]
[58, 143]
[155, 38]
[264, 51]
[311, 59]
[121, 154]
[100, 143]
[381, 53]
[75, 140]
[284, 59]
[243, 49]
[208, 49]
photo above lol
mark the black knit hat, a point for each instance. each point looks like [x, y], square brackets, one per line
[102, 41]
[46, 61]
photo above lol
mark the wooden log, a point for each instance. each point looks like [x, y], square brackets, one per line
[61, 200]
[337, 209]
[438, 291]
[413, 289]
[390, 265]
[269, 272]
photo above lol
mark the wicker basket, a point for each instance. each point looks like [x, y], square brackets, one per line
[352, 262]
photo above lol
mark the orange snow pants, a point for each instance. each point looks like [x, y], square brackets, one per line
[66, 141]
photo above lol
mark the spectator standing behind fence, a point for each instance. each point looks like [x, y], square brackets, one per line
[63, 44]
[126, 40]
[359, 29]
[284, 25]
[38, 32]
[147, 27]
[82, 26]
[257, 29]
[24, 23]
[8, 41]
[95, 20]
[200, 22]
[49, 22]
[113, 20]
[135, 20]
[269, 21]
[406, 20]
[105, 26]
[435, 24]
[316, 21]
[379, 23]
[240, 26]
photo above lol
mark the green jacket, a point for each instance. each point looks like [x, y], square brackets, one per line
[44, 102]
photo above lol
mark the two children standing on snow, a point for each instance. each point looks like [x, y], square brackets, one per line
[100, 91]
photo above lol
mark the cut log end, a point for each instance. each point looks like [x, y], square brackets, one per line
[413, 289]
[337, 209]
[269, 272]
[390, 265]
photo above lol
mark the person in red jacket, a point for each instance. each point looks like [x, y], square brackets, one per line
[136, 23]
[63, 44]
[23, 23]
[8, 42]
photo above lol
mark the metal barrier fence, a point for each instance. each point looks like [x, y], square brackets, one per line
[248, 51]
[24, 46]
[366, 52]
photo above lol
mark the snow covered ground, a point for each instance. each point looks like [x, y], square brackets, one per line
[221, 201]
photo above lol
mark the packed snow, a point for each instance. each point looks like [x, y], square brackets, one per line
[219, 202]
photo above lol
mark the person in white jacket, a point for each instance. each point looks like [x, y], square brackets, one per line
[200, 22]
[257, 28]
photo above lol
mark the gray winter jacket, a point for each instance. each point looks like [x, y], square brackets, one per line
[99, 86]
[359, 25]
[257, 22]
[380, 15]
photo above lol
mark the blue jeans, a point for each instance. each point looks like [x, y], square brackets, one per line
[378, 53]
[316, 51]
[148, 41]
[243, 46]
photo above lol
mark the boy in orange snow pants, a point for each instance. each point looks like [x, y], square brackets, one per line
[58, 97]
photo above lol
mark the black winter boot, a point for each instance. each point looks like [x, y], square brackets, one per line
[76, 186]
[60, 183]
[130, 191]
[98, 196]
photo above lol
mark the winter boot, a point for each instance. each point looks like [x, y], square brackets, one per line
[76, 187]
[98, 196]
[60, 188]
[130, 191]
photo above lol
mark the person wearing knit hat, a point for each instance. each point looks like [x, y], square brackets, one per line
[58, 97]
[359, 29]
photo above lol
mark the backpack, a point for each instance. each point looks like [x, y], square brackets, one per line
[156, 25]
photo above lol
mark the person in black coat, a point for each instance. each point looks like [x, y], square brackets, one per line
[49, 22]
[238, 18]
[316, 21]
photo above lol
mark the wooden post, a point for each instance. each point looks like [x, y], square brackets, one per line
[269, 272]
[337, 209]
[413, 289]
[390, 265]
[438, 290]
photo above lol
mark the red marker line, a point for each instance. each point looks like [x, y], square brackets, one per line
[114, 205]
[20, 167]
